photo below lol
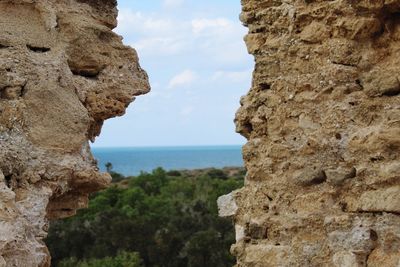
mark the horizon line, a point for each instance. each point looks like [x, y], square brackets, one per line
[164, 146]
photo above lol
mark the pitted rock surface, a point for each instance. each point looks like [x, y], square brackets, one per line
[322, 121]
[62, 73]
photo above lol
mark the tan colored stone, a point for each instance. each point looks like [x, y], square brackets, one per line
[391, 169]
[382, 200]
[374, 5]
[338, 175]
[322, 123]
[358, 28]
[347, 259]
[379, 258]
[381, 82]
[310, 176]
[266, 255]
[315, 32]
[254, 42]
[63, 71]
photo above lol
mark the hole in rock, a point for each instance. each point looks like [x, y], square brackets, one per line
[266, 233]
[38, 49]
[248, 128]
[391, 19]
[8, 179]
[265, 86]
[392, 92]
[376, 158]
[373, 235]
[66, 210]
[86, 73]
[23, 90]
[343, 206]
[319, 178]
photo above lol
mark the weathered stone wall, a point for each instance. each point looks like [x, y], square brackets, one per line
[62, 73]
[322, 121]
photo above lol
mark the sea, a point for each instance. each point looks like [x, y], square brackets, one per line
[130, 161]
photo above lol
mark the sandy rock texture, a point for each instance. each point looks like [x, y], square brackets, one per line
[62, 73]
[322, 121]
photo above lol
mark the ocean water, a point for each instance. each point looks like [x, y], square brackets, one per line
[133, 160]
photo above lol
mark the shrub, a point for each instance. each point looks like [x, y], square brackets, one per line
[123, 259]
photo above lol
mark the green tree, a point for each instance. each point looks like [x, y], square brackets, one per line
[123, 259]
[167, 219]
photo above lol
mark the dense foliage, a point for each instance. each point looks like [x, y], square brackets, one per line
[167, 218]
[123, 259]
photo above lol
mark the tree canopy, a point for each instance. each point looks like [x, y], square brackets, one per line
[155, 219]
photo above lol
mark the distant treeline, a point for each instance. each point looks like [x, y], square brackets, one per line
[155, 219]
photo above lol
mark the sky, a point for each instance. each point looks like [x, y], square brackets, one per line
[198, 65]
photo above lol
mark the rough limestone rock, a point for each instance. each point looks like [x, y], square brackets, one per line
[62, 73]
[322, 121]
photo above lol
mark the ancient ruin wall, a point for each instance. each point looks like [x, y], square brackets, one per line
[322, 121]
[62, 73]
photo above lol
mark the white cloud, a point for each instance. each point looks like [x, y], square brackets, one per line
[221, 40]
[159, 45]
[173, 3]
[233, 76]
[184, 78]
[211, 43]
[153, 34]
[131, 22]
[206, 25]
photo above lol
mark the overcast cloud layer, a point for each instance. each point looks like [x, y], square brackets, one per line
[198, 66]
